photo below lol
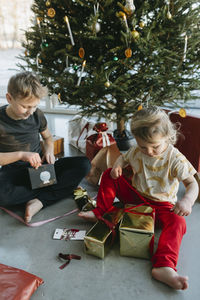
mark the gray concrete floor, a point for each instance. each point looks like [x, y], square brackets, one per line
[114, 278]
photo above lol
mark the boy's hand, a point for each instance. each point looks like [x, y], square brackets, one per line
[116, 172]
[49, 158]
[33, 158]
[182, 208]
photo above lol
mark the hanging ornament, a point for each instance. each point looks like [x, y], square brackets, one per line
[128, 52]
[51, 12]
[115, 58]
[26, 52]
[47, 3]
[81, 73]
[44, 44]
[185, 47]
[81, 52]
[69, 29]
[107, 83]
[75, 67]
[135, 34]
[129, 8]
[141, 24]
[182, 112]
[140, 107]
[169, 16]
[96, 27]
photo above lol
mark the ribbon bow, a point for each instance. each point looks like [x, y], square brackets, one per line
[100, 127]
[68, 258]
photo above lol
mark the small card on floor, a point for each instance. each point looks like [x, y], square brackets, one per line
[43, 176]
[69, 234]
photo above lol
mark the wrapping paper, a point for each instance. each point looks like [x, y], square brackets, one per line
[99, 238]
[137, 232]
[17, 284]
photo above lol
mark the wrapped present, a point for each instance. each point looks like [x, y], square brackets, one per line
[99, 140]
[136, 231]
[100, 237]
[83, 201]
[43, 176]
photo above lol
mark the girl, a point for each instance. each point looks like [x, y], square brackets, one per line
[158, 167]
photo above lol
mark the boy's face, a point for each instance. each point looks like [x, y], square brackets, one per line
[21, 109]
[158, 145]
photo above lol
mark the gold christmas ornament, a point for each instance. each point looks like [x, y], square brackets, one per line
[81, 52]
[128, 52]
[182, 113]
[169, 16]
[107, 83]
[141, 24]
[135, 34]
[121, 14]
[51, 12]
[48, 3]
[26, 52]
[140, 107]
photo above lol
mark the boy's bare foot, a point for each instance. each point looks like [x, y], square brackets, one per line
[88, 215]
[32, 208]
[170, 277]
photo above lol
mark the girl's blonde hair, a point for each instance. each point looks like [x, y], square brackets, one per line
[25, 85]
[148, 122]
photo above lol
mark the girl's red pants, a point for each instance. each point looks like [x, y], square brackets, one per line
[173, 226]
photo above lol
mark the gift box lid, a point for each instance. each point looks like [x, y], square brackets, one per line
[138, 219]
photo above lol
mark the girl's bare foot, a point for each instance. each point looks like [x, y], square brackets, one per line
[88, 215]
[32, 208]
[170, 277]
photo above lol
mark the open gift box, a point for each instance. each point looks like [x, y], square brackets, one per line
[100, 237]
[136, 231]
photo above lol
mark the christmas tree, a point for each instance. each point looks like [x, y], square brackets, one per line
[113, 57]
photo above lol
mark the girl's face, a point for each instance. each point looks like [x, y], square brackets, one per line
[21, 109]
[158, 145]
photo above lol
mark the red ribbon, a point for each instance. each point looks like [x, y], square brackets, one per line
[68, 258]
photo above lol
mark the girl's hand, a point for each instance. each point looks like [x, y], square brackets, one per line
[116, 172]
[33, 158]
[182, 208]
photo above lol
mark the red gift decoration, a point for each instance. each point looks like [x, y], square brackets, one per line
[99, 140]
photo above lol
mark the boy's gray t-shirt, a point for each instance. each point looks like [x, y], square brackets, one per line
[21, 135]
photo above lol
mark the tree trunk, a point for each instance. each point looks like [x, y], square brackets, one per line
[120, 125]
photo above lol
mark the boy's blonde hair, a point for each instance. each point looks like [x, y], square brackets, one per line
[148, 122]
[25, 85]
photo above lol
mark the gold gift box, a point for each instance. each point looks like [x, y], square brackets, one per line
[83, 201]
[99, 238]
[136, 231]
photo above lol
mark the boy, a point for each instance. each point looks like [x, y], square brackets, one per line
[21, 124]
